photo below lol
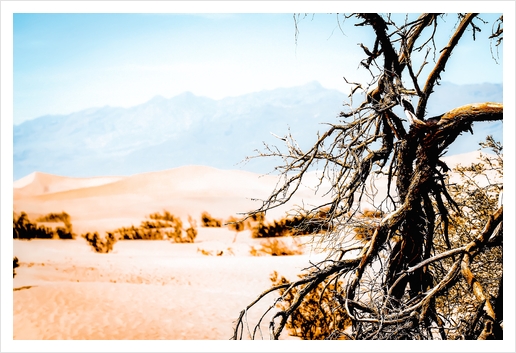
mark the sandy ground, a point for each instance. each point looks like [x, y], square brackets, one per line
[146, 290]
[143, 290]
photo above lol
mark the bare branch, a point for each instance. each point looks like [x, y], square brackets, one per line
[404, 273]
[441, 63]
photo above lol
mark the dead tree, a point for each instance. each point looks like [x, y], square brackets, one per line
[413, 278]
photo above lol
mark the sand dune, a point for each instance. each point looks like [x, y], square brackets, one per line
[142, 289]
[38, 183]
[147, 290]
[128, 200]
[106, 203]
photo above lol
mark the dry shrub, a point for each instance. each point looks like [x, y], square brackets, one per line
[252, 222]
[100, 245]
[159, 227]
[271, 230]
[23, 228]
[237, 224]
[320, 315]
[366, 224]
[208, 221]
[301, 224]
[276, 247]
[364, 232]
[372, 214]
[229, 251]
[62, 233]
[205, 252]
[16, 263]
[191, 232]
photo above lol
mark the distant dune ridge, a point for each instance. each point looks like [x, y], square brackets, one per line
[106, 203]
[124, 201]
[38, 183]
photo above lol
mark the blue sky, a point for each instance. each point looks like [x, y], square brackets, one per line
[68, 62]
[73, 61]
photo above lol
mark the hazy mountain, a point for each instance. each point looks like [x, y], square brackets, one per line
[187, 129]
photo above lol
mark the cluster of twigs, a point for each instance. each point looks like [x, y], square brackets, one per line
[403, 281]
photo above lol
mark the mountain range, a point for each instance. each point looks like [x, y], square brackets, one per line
[191, 130]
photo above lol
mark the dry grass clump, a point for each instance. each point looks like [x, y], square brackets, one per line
[157, 227]
[64, 218]
[366, 224]
[240, 224]
[208, 221]
[160, 227]
[16, 263]
[320, 315]
[24, 228]
[372, 213]
[100, 245]
[237, 224]
[228, 251]
[191, 232]
[301, 224]
[276, 247]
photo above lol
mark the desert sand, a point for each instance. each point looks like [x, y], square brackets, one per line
[142, 290]
[148, 290]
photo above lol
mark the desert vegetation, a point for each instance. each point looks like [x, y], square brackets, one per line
[320, 316]
[322, 313]
[208, 221]
[24, 228]
[365, 224]
[227, 251]
[156, 227]
[251, 222]
[160, 227]
[277, 247]
[237, 224]
[16, 263]
[299, 224]
[428, 265]
[99, 244]
[293, 225]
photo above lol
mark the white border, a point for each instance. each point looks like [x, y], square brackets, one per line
[6, 103]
